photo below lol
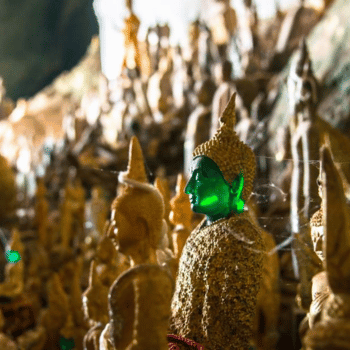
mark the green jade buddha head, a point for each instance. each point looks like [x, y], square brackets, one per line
[210, 193]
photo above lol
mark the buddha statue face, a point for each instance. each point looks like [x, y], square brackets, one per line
[119, 231]
[210, 193]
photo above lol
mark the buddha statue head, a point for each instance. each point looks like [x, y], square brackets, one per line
[302, 85]
[222, 171]
[136, 225]
[317, 232]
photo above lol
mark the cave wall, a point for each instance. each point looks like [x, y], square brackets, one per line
[40, 39]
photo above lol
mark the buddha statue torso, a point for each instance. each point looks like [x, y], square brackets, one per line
[221, 259]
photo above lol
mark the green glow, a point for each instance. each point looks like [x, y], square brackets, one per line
[13, 256]
[67, 344]
[210, 193]
[209, 201]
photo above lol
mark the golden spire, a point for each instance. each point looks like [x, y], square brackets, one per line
[136, 167]
[230, 154]
[228, 118]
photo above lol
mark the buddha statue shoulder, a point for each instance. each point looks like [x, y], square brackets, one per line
[221, 263]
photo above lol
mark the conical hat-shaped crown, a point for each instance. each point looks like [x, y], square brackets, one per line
[16, 243]
[136, 167]
[230, 154]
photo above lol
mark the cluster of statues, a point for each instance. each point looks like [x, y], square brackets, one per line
[178, 251]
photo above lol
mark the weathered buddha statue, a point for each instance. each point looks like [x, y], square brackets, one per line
[13, 284]
[132, 59]
[41, 212]
[221, 263]
[226, 88]
[139, 299]
[95, 304]
[332, 329]
[98, 209]
[198, 124]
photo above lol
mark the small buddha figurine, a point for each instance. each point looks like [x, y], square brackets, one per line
[99, 209]
[72, 210]
[223, 27]
[198, 123]
[54, 317]
[180, 216]
[223, 94]
[139, 299]
[42, 211]
[162, 185]
[95, 304]
[13, 284]
[132, 58]
[221, 263]
[332, 329]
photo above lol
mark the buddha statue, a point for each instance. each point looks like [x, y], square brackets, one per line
[132, 60]
[13, 284]
[308, 131]
[332, 329]
[226, 88]
[54, 318]
[41, 212]
[180, 216]
[139, 299]
[221, 263]
[98, 209]
[198, 124]
[95, 304]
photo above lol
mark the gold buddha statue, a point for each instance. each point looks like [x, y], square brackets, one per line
[132, 58]
[95, 304]
[139, 299]
[13, 285]
[180, 216]
[331, 332]
[221, 263]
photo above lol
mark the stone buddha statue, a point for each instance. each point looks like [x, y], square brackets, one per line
[139, 299]
[221, 263]
[332, 329]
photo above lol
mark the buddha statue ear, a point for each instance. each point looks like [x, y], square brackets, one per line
[236, 190]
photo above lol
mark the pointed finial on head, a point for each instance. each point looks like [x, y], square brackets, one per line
[136, 167]
[228, 117]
